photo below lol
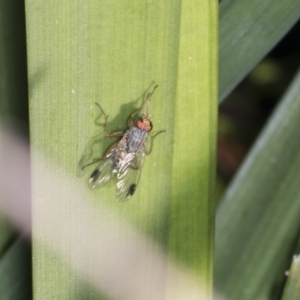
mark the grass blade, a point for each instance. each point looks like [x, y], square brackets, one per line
[248, 31]
[258, 219]
[292, 289]
[15, 283]
[83, 53]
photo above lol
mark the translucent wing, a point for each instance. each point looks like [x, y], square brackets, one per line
[103, 173]
[127, 181]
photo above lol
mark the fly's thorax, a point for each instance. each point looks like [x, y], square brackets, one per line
[135, 139]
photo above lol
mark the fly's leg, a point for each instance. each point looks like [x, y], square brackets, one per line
[147, 100]
[147, 152]
[93, 162]
[103, 157]
[109, 134]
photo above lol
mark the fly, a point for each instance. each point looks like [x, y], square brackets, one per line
[125, 158]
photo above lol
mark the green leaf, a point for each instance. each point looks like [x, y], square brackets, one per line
[5, 233]
[15, 281]
[292, 289]
[248, 31]
[258, 219]
[113, 53]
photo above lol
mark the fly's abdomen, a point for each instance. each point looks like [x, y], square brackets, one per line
[121, 160]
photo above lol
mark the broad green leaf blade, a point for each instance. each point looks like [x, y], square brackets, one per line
[292, 288]
[15, 272]
[258, 219]
[113, 53]
[248, 31]
[193, 169]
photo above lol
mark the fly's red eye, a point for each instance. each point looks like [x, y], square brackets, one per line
[144, 124]
[140, 123]
[149, 128]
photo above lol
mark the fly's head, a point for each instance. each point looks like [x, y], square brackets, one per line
[144, 123]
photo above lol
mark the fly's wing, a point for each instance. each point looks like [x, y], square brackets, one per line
[128, 180]
[103, 173]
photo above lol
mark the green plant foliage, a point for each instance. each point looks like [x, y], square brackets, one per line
[109, 52]
[248, 31]
[113, 53]
[292, 289]
[13, 77]
[5, 233]
[15, 272]
[258, 219]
